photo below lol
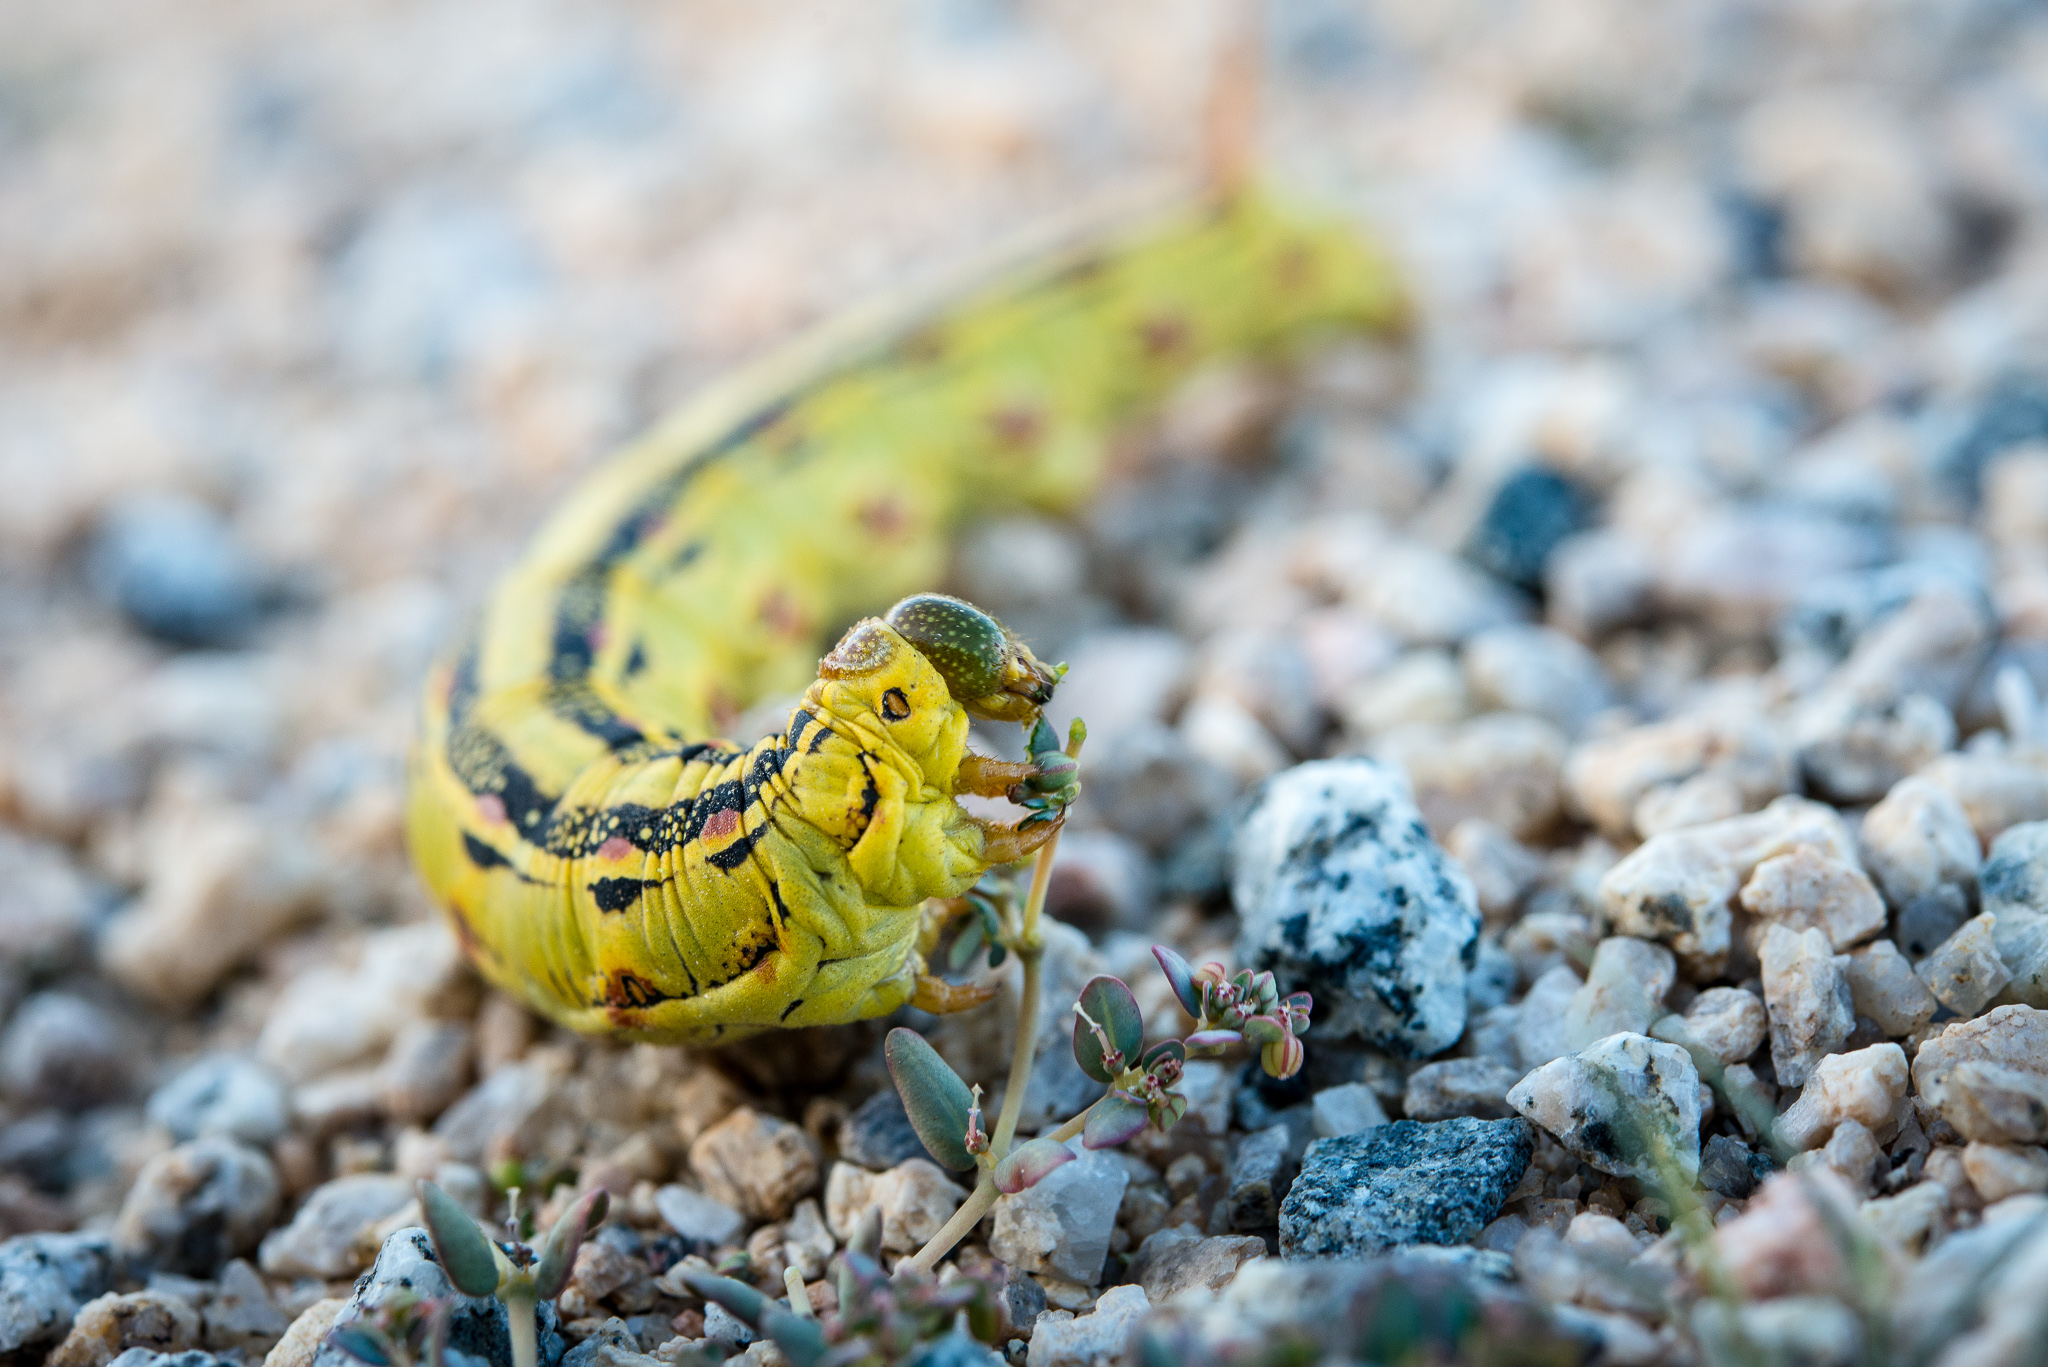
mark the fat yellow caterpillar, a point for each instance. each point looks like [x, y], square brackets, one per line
[598, 852]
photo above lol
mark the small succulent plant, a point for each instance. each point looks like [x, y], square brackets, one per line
[1109, 1045]
[406, 1331]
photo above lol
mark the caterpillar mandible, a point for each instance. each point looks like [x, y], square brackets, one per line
[596, 852]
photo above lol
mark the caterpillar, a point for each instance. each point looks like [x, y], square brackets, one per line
[598, 852]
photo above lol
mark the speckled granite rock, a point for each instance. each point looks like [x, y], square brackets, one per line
[1403, 1183]
[1343, 893]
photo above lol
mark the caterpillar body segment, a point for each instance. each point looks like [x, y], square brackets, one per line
[605, 859]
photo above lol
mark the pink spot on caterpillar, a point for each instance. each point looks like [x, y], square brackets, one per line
[618, 847]
[722, 825]
[491, 808]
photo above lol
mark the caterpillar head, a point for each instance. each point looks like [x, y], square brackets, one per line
[988, 671]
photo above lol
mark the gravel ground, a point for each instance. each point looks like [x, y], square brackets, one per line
[1672, 609]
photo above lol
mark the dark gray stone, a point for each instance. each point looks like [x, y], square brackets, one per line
[1732, 1168]
[44, 1278]
[1259, 1177]
[1342, 892]
[191, 1357]
[878, 1135]
[173, 568]
[477, 1328]
[1403, 1183]
[2015, 876]
[1532, 511]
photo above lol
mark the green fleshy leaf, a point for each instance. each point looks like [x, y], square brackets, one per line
[934, 1097]
[1027, 1164]
[1265, 1030]
[801, 1338]
[1283, 1058]
[359, 1344]
[1110, 1005]
[558, 1259]
[1112, 1120]
[966, 945]
[464, 1249]
[1181, 979]
[1166, 1049]
[747, 1305]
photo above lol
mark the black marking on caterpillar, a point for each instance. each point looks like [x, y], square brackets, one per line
[894, 705]
[616, 894]
[788, 1009]
[626, 990]
[482, 855]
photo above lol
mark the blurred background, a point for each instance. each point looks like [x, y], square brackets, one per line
[310, 312]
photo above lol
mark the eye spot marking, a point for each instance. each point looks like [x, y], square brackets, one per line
[895, 706]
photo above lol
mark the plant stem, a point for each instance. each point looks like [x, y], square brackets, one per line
[522, 1313]
[1030, 952]
[977, 1204]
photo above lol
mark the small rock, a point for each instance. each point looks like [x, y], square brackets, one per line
[44, 1278]
[1209, 1087]
[241, 1314]
[1349, 1109]
[193, 1208]
[2015, 875]
[1886, 991]
[1624, 990]
[613, 1345]
[61, 1050]
[1732, 1168]
[2001, 1170]
[1989, 1076]
[1501, 768]
[1150, 785]
[1100, 882]
[757, 1164]
[223, 1094]
[916, 1197]
[1531, 513]
[878, 1134]
[1260, 1174]
[1806, 992]
[1537, 671]
[1124, 680]
[1460, 1087]
[325, 1238]
[1966, 972]
[1597, 581]
[47, 907]
[1063, 1225]
[1178, 1258]
[306, 1335]
[1625, 1105]
[1785, 1243]
[329, 1017]
[1343, 893]
[1612, 779]
[499, 1111]
[1996, 790]
[111, 1325]
[1728, 1022]
[1676, 888]
[1420, 688]
[1502, 870]
[1097, 1339]
[1403, 1183]
[1225, 733]
[1803, 889]
[172, 566]
[697, 1217]
[225, 880]
[721, 1325]
[1541, 1031]
[427, 1068]
[406, 1267]
[1867, 1086]
[1920, 849]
